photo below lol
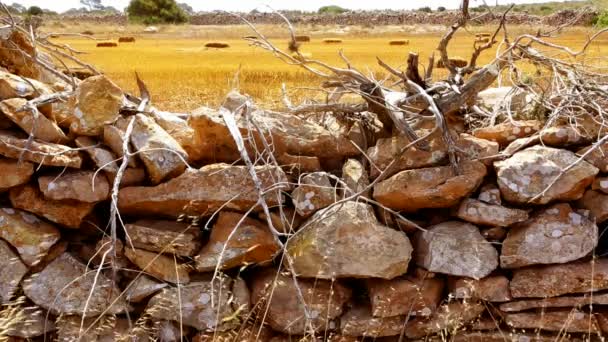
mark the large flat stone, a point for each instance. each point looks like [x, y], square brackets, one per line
[96, 102]
[82, 186]
[493, 288]
[508, 131]
[399, 296]
[597, 203]
[159, 266]
[13, 270]
[14, 173]
[169, 237]
[449, 317]
[203, 191]
[358, 321]
[567, 320]
[31, 122]
[39, 152]
[556, 302]
[478, 212]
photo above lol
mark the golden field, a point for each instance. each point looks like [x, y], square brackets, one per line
[182, 74]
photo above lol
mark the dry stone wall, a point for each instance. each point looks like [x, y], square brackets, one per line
[121, 224]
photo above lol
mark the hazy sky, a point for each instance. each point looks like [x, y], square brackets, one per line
[247, 5]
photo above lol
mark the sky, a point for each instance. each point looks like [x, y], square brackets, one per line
[248, 5]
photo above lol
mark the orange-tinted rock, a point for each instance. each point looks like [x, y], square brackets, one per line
[284, 220]
[96, 102]
[32, 122]
[469, 147]
[494, 233]
[568, 320]
[396, 297]
[162, 156]
[202, 305]
[600, 184]
[102, 157]
[13, 270]
[13, 86]
[314, 192]
[597, 157]
[82, 186]
[347, 241]
[436, 187]
[38, 152]
[481, 213]
[556, 302]
[159, 266]
[114, 137]
[14, 173]
[448, 317]
[489, 193]
[358, 321]
[277, 295]
[455, 248]
[31, 237]
[355, 178]
[506, 132]
[555, 235]
[494, 288]
[66, 213]
[203, 192]
[556, 280]
[67, 286]
[597, 203]
[165, 236]
[142, 287]
[561, 136]
[525, 176]
[252, 243]
[178, 128]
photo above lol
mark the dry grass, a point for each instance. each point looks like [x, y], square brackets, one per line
[183, 75]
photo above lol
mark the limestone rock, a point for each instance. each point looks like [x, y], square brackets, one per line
[561, 136]
[159, 266]
[38, 152]
[313, 193]
[481, 213]
[436, 187]
[290, 134]
[489, 193]
[253, 243]
[203, 191]
[31, 237]
[13, 86]
[54, 289]
[13, 270]
[449, 317]
[162, 156]
[66, 213]
[286, 313]
[399, 296]
[567, 320]
[387, 149]
[554, 236]
[14, 173]
[102, 157]
[557, 302]
[523, 177]
[36, 124]
[494, 288]
[469, 147]
[165, 236]
[501, 97]
[178, 128]
[358, 321]
[142, 287]
[355, 178]
[96, 102]
[204, 304]
[348, 241]
[597, 203]
[83, 186]
[114, 137]
[597, 157]
[284, 220]
[556, 280]
[31, 322]
[506, 132]
[455, 248]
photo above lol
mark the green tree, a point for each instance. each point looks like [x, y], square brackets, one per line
[156, 11]
[332, 9]
[440, 9]
[425, 9]
[92, 4]
[35, 10]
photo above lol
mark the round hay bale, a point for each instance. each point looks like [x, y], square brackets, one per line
[302, 39]
[107, 44]
[483, 35]
[458, 62]
[399, 42]
[87, 33]
[126, 39]
[250, 37]
[54, 35]
[217, 45]
[332, 41]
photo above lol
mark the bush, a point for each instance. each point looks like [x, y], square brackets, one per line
[425, 9]
[156, 11]
[332, 10]
[35, 10]
[440, 9]
[601, 20]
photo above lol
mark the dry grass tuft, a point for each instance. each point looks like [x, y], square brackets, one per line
[217, 45]
[399, 42]
[107, 44]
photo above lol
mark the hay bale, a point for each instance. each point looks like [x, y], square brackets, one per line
[399, 42]
[54, 36]
[217, 45]
[482, 40]
[302, 39]
[456, 61]
[87, 33]
[107, 44]
[483, 35]
[80, 74]
[332, 41]
[128, 39]
[250, 37]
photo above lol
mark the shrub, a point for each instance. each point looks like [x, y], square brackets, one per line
[156, 11]
[35, 10]
[332, 10]
[440, 9]
[425, 9]
[602, 19]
